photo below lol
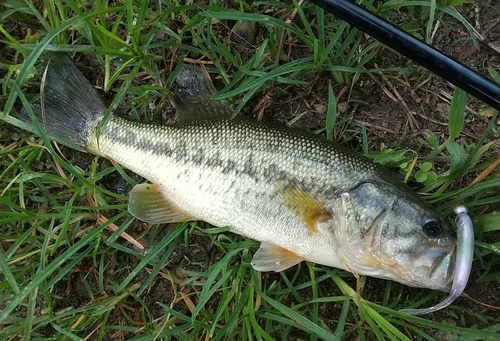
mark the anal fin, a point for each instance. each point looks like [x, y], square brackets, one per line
[148, 204]
[270, 257]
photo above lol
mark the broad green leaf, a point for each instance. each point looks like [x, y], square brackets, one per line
[433, 140]
[431, 178]
[331, 113]
[426, 166]
[494, 74]
[458, 155]
[457, 113]
[489, 221]
[452, 2]
[420, 176]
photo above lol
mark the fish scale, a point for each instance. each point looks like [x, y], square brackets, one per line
[235, 149]
[242, 196]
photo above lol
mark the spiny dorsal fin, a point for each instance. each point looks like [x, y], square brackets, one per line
[270, 257]
[193, 97]
[303, 204]
[148, 204]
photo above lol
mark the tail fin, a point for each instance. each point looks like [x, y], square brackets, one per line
[71, 106]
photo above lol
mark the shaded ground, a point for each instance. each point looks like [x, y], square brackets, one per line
[423, 107]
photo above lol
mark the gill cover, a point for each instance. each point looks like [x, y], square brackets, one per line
[383, 234]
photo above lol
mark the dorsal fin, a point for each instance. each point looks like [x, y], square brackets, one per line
[193, 94]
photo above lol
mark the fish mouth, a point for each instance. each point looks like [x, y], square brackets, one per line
[459, 263]
[444, 267]
[437, 264]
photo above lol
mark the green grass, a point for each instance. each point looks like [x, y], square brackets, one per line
[65, 268]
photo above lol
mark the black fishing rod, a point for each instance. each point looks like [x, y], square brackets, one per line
[418, 51]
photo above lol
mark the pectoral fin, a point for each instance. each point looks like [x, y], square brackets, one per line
[303, 204]
[148, 204]
[270, 257]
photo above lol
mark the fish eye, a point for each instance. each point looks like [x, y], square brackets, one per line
[433, 228]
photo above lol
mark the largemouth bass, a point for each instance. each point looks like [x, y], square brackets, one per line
[302, 196]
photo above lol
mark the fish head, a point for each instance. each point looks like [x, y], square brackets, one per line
[390, 233]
